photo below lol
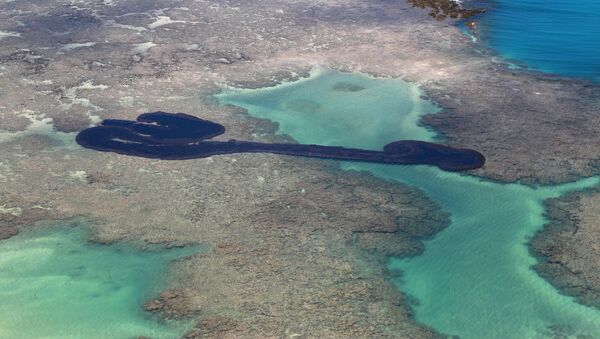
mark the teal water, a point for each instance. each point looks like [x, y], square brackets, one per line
[55, 284]
[553, 36]
[475, 278]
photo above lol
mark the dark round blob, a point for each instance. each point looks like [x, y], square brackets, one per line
[442, 156]
[347, 87]
[173, 136]
[176, 127]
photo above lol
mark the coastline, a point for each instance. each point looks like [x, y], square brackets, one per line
[154, 83]
[566, 246]
[442, 9]
[367, 250]
[122, 192]
[106, 283]
[511, 213]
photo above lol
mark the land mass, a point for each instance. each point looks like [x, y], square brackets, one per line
[569, 245]
[441, 9]
[285, 260]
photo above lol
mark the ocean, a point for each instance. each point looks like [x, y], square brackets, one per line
[552, 36]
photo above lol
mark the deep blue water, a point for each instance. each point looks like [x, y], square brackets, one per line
[553, 36]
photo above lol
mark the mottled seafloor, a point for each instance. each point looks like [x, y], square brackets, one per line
[279, 246]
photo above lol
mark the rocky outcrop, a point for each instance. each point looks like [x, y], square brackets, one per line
[440, 9]
[568, 247]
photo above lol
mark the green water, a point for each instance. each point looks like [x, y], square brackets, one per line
[475, 278]
[55, 284]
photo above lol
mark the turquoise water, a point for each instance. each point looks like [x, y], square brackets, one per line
[553, 36]
[55, 284]
[475, 278]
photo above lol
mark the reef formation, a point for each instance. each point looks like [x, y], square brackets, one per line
[177, 136]
[441, 9]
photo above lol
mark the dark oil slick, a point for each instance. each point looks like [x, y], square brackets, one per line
[176, 136]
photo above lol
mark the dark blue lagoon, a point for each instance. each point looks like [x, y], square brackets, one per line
[553, 36]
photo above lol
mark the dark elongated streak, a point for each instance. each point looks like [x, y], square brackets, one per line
[180, 136]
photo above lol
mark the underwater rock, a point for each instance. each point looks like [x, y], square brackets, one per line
[7, 231]
[171, 304]
[441, 9]
[347, 87]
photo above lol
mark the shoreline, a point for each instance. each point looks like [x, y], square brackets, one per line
[442, 9]
[50, 254]
[563, 253]
[170, 77]
[250, 104]
[375, 246]
[555, 246]
[213, 322]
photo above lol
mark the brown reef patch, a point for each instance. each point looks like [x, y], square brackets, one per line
[171, 304]
[568, 247]
[440, 9]
[70, 122]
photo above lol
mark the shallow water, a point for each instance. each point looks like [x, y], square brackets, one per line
[475, 278]
[553, 36]
[55, 284]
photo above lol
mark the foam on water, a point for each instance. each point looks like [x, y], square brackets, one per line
[55, 284]
[475, 278]
[554, 36]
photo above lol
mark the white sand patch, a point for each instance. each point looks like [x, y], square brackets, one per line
[37, 82]
[72, 95]
[15, 12]
[5, 34]
[6, 172]
[60, 33]
[159, 16]
[126, 101]
[94, 120]
[191, 47]
[40, 125]
[112, 23]
[162, 20]
[16, 211]
[72, 46]
[142, 48]
[150, 13]
[85, 102]
[172, 98]
[90, 85]
[79, 175]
